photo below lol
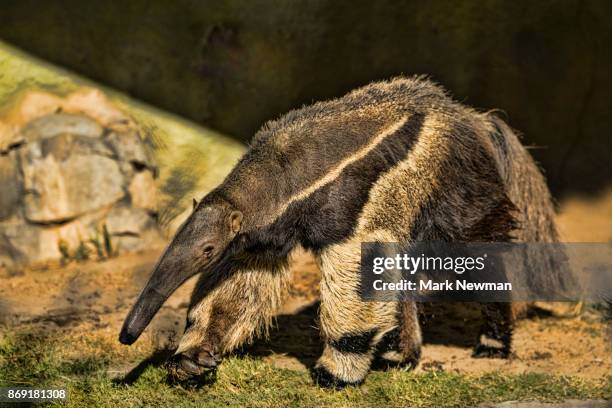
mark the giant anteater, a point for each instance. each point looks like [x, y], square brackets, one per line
[394, 161]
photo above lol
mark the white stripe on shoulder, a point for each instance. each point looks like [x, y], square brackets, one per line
[337, 170]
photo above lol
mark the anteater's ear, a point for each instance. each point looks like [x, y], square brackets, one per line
[235, 220]
[195, 204]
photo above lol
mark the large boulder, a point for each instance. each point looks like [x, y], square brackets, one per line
[70, 183]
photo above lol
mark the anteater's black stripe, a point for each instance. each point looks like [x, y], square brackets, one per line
[354, 343]
[330, 214]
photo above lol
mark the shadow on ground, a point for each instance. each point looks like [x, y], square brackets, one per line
[156, 359]
[297, 335]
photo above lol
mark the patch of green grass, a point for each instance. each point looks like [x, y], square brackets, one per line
[29, 359]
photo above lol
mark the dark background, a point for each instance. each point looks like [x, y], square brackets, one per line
[231, 65]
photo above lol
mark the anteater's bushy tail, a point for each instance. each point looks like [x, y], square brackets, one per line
[535, 215]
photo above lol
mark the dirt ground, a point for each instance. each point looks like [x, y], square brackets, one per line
[91, 299]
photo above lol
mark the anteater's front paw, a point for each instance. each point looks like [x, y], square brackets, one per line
[193, 364]
[392, 352]
[411, 360]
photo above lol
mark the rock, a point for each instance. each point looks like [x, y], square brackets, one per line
[127, 221]
[61, 190]
[60, 123]
[143, 191]
[128, 243]
[65, 145]
[86, 102]
[67, 169]
[24, 243]
[67, 178]
[130, 148]
[97, 106]
[131, 229]
[10, 187]
[30, 243]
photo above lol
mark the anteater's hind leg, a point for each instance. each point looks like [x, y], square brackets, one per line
[228, 310]
[350, 327]
[496, 333]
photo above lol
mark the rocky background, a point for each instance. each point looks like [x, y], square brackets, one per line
[77, 180]
[231, 65]
[90, 173]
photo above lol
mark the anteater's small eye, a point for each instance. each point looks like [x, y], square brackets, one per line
[208, 249]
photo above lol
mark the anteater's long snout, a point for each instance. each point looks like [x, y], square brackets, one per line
[149, 302]
[170, 273]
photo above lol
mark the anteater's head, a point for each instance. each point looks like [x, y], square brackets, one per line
[200, 243]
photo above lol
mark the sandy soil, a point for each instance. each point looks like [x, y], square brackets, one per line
[91, 299]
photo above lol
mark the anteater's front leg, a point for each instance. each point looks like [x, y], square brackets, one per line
[350, 327]
[229, 309]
